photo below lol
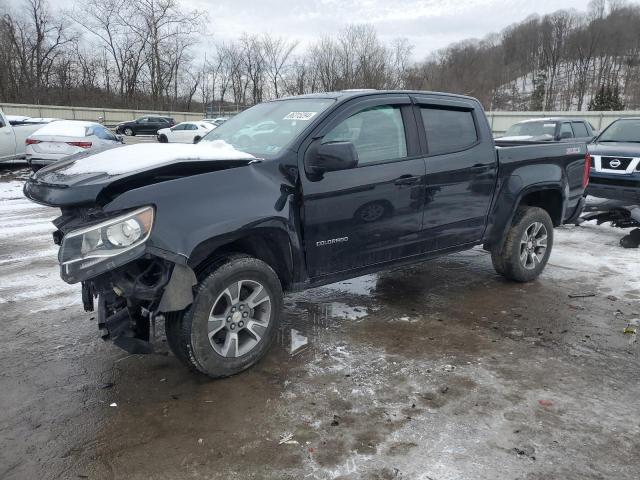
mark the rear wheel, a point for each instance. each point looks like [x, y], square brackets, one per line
[527, 247]
[232, 321]
[196, 139]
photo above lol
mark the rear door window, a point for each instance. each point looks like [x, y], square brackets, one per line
[580, 129]
[448, 130]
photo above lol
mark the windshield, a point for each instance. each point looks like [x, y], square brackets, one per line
[533, 129]
[265, 129]
[622, 131]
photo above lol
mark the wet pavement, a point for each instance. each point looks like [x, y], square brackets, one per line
[438, 371]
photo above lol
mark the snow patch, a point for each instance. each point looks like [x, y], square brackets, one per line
[342, 310]
[142, 156]
[11, 191]
[65, 128]
[357, 286]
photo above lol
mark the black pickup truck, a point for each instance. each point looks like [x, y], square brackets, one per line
[208, 236]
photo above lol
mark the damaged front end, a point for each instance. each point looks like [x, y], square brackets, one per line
[134, 284]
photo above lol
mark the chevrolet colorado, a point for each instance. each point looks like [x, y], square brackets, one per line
[208, 236]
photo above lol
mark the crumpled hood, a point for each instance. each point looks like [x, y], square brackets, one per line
[617, 149]
[86, 177]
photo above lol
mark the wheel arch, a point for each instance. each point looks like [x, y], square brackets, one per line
[550, 197]
[272, 245]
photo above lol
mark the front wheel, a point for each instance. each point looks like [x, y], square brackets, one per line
[527, 247]
[129, 132]
[232, 321]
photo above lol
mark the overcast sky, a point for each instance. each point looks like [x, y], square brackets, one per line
[428, 24]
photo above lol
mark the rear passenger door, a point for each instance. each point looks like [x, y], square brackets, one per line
[461, 169]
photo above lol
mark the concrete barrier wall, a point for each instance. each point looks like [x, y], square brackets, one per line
[499, 121]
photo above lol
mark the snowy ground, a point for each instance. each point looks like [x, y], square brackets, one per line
[438, 371]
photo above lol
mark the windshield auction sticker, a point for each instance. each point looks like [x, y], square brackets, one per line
[299, 115]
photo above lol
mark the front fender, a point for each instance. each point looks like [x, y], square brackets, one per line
[199, 213]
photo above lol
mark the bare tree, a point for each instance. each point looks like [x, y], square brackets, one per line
[276, 53]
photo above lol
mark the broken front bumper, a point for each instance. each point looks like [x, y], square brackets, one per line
[131, 297]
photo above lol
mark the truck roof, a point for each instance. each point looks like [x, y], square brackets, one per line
[363, 92]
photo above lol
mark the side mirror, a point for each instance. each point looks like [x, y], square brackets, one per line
[331, 157]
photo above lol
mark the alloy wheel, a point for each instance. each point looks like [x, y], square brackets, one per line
[239, 318]
[533, 245]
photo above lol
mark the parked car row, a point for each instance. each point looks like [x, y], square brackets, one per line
[42, 141]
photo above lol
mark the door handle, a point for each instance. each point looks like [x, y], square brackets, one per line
[406, 180]
[479, 167]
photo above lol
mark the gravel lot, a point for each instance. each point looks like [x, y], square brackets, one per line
[438, 371]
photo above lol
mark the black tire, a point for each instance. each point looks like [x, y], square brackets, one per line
[129, 132]
[196, 139]
[163, 139]
[509, 261]
[187, 331]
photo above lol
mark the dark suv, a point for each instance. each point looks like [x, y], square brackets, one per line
[615, 172]
[144, 125]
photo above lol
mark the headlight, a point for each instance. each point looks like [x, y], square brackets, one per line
[105, 245]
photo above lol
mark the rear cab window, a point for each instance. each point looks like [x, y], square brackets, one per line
[448, 130]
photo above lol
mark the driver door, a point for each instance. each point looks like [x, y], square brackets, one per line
[372, 213]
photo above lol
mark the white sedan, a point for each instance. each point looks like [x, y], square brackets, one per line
[60, 139]
[185, 132]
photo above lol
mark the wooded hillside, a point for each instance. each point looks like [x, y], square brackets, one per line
[157, 54]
